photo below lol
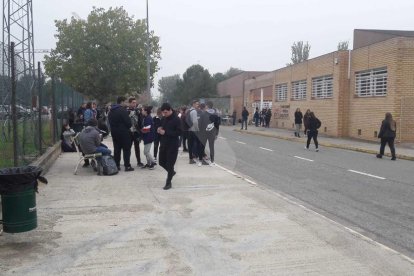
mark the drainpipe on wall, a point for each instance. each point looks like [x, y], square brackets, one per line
[349, 64]
[401, 106]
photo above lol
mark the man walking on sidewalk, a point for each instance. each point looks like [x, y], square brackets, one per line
[169, 131]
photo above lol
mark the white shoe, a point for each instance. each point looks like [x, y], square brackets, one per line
[306, 148]
[316, 150]
[212, 164]
[199, 163]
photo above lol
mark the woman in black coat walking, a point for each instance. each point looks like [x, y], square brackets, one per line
[313, 125]
[387, 134]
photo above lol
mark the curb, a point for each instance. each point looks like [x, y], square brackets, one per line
[46, 160]
[330, 145]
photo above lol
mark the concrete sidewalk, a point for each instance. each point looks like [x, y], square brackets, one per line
[212, 222]
[403, 151]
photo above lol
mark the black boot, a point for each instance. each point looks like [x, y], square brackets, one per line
[167, 185]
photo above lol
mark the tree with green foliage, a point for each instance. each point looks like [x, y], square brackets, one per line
[232, 72]
[300, 52]
[196, 83]
[167, 86]
[343, 45]
[103, 55]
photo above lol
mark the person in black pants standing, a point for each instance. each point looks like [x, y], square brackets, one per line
[120, 124]
[313, 126]
[169, 131]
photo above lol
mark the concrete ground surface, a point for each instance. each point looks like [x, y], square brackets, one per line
[212, 222]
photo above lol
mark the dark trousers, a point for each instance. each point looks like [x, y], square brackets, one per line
[135, 141]
[390, 141]
[312, 135]
[210, 138]
[167, 159]
[256, 122]
[156, 146]
[244, 121]
[122, 142]
[185, 140]
[195, 148]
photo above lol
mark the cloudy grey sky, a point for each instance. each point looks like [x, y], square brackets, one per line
[247, 34]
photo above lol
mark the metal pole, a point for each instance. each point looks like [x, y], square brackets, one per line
[261, 99]
[39, 109]
[13, 104]
[148, 57]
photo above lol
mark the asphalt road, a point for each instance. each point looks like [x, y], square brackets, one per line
[372, 196]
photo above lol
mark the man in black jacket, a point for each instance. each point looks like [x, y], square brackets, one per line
[169, 131]
[120, 124]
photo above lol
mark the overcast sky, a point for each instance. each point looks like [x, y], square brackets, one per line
[246, 34]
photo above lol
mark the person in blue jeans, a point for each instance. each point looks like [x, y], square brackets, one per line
[90, 139]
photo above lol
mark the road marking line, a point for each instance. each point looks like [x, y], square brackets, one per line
[306, 159]
[367, 174]
[266, 149]
[350, 230]
[243, 143]
[220, 137]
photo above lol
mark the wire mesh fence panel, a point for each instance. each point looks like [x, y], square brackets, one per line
[36, 126]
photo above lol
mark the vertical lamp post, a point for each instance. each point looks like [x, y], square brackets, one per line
[148, 57]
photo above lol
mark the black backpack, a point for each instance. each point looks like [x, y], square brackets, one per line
[188, 120]
[318, 123]
[108, 165]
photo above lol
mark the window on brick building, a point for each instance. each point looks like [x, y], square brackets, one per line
[281, 92]
[299, 90]
[371, 83]
[322, 87]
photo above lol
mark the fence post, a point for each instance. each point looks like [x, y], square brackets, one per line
[13, 104]
[39, 86]
[61, 102]
[53, 110]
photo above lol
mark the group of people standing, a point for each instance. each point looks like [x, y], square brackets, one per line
[263, 117]
[201, 123]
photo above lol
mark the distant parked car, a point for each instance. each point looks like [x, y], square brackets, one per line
[5, 112]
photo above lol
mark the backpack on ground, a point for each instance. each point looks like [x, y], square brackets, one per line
[108, 165]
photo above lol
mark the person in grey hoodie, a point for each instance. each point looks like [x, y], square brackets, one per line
[90, 139]
[195, 150]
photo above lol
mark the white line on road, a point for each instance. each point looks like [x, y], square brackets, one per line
[243, 143]
[306, 159]
[266, 149]
[367, 174]
[220, 137]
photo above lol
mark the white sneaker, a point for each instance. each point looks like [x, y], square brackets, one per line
[212, 164]
[316, 150]
[199, 163]
[306, 148]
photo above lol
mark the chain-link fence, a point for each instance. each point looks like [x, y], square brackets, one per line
[41, 104]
